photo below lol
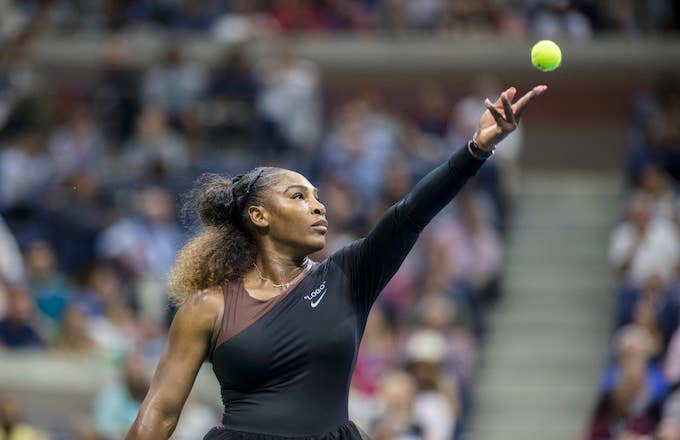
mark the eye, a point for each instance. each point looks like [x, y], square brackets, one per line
[298, 196]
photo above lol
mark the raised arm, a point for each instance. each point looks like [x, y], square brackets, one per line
[372, 261]
[189, 342]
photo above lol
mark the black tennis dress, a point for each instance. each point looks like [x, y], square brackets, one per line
[287, 374]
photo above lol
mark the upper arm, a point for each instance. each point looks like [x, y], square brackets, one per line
[370, 263]
[189, 342]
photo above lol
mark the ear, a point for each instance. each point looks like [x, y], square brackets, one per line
[259, 216]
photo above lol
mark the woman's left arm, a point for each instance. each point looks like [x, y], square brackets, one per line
[373, 260]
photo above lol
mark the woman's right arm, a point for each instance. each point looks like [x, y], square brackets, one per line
[189, 342]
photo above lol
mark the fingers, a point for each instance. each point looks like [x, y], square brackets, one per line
[509, 114]
[522, 103]
[494, 112]
[510, 92]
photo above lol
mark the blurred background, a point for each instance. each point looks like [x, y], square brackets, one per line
[542, 304]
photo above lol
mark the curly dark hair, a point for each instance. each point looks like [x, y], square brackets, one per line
[224, 248]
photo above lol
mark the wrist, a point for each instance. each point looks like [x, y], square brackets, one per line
[482, 145]
[477, 152]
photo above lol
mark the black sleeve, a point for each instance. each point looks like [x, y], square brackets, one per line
[370, 262]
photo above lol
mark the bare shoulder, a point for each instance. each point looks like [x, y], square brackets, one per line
[201, 309]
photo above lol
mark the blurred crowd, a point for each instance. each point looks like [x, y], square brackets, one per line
[232, 19]
[92, 169]
[639, 395]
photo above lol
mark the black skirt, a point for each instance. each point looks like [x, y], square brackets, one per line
[348, 431]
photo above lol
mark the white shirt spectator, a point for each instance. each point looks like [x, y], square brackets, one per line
[21, 174]
[657, 251]
[290, 98]
[433, 411]
[11, 261]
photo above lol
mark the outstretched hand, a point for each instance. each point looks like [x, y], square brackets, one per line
[501, 117]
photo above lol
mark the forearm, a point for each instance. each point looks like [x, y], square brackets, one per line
[152, 424]
[439, 186]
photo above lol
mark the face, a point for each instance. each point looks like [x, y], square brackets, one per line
[293, 216]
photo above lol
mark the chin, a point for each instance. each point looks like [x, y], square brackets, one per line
[316, 245]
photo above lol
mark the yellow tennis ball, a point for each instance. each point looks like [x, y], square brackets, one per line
[546, 55]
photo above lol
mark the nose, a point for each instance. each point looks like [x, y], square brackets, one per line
[319, 208]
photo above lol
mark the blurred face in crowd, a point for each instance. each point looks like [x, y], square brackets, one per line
[654, 181]
[74, 326]
[668, 430]
[156, 206]
[640, 211]
[397, 390]
[41, 259]
[20, 307]
[293, 215]
[654, 286]
[437, 313]
[635, 344]
[10, 412]
[152, 124]
[105, 282]
[470, 213]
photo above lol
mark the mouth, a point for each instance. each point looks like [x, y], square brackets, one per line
[321, 226]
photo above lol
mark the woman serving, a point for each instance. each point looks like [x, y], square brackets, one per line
[283, 332]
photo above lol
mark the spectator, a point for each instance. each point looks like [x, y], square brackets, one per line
[642, 244]
[145, 243]
[658, 185]
[118, 402]
[442, 315]
[669, 429]
[11, 425]
[672, 362]
[156, 153]
[11, 264]
[49, 286]
[17, 328]
[244, 21]
[632, 391]
[436, 405]
[230, 101]
[77, 143]
[653, 305]
[290, 101]
[78, 206]
[106, 301]
[361, 142]
[24, 170]
[74, 336]
[175, 85]
[376, 354]
[555, 19]
[116, 95]
[474, 247]
[397, 420]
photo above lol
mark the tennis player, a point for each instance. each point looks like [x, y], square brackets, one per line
[283, 332]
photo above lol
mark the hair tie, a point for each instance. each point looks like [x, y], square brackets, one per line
[246, 196]
[252, 182]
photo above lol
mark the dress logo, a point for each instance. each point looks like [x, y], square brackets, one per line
[316, 296]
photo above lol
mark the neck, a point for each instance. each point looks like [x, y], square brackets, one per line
[277, 266]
